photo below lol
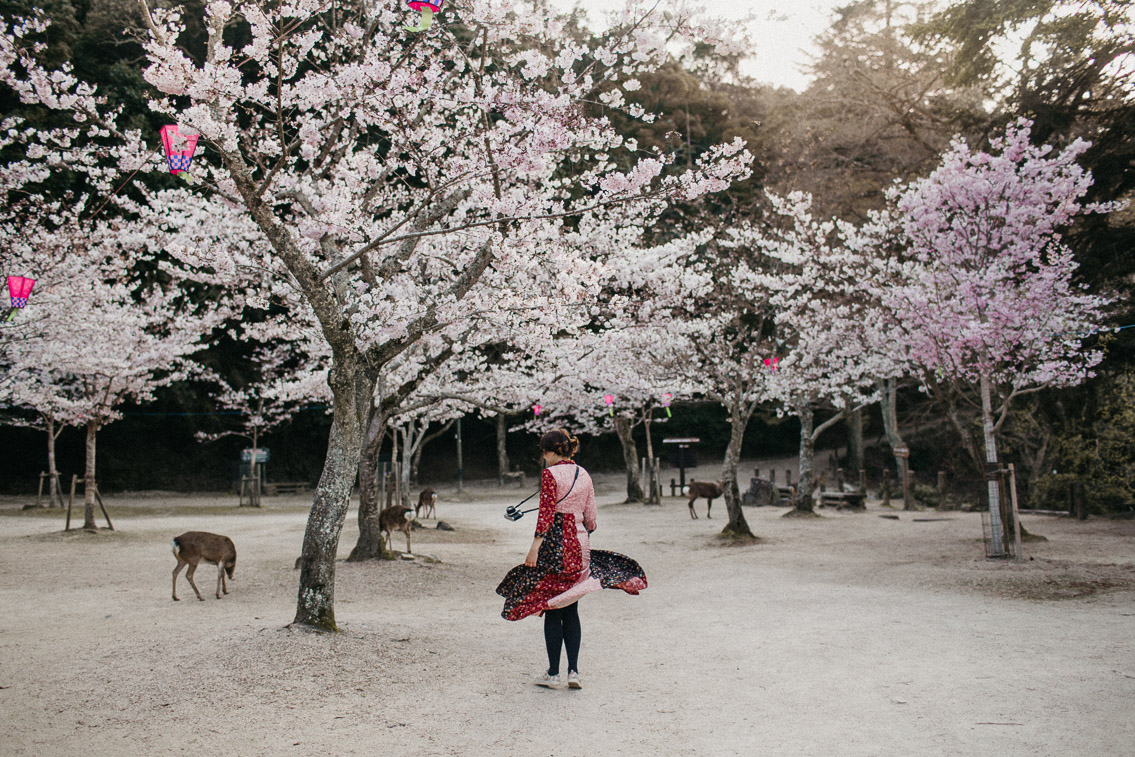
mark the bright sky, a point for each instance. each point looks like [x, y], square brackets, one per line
[783, 33]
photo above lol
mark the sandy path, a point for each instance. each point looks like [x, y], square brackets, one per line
[850, 635]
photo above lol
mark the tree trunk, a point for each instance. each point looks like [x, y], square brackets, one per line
[888, 406]
[407, 462]
[369, 545]
[254, 468]
[807, 454]
[630, 458]
[352, 392]
[654, 479]
[52, 472]
[854, 440]
[737, 526]
[502, 447]
[996, 524]
[89, 479]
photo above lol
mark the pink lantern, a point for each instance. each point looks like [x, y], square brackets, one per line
[770, 363]
[179, 148]
[610, 400]
[19, 289]
[666, 399]
[427, 9]
[537, 408]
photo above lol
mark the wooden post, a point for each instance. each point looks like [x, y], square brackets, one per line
[70, 502]
[863, 480]
[886, 488]
[102, 507]
[1079, 505]
[941, 482]
[907, 502]
[1016, 511]
[39, 494]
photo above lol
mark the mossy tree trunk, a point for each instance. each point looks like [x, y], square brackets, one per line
[351, 389]
[89, 478]
[738, 422]
[630, 458]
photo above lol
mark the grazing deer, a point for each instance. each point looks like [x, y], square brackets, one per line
[427, 501]
[708, 489]
[193, 547]
[396, 518]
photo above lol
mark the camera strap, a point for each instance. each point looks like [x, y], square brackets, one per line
[558, 501]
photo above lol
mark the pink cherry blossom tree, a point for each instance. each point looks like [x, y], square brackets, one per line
[988, 300]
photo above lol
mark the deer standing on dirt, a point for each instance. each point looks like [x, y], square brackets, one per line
[427, 501]
[193, 547]
[708, 489]
[396, 518]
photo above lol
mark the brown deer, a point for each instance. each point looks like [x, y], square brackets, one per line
[193, 547]
[427, 501]
[396, 518]
[708, 489]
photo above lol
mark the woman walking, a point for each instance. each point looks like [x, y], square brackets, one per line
[560, 566]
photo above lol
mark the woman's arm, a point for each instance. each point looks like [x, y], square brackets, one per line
[544, 518]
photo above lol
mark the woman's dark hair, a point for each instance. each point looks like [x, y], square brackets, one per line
[560, 442]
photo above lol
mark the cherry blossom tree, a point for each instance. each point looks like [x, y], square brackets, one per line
[398, 181]
[828, 323]
[988, 301]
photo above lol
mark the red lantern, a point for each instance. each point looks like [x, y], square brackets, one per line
[179, 148]
[427, 9]
[19, 289]
[537, 408]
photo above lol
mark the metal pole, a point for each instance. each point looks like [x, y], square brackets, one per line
[460, 462]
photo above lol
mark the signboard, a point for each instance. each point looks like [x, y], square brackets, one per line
[261, 455]
[682, 440]
[902, 451]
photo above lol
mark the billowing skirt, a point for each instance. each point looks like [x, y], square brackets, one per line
[531, 590]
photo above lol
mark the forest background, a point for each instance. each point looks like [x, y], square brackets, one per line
[892, 84]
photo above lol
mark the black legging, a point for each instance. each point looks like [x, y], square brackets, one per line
[561, 628]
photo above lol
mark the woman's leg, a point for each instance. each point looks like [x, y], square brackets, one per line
[573, 633]
[554, 638]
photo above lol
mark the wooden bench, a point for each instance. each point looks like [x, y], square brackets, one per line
[516, 474]
[841, 500]
[285, 487]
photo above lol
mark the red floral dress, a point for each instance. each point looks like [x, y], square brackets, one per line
[566, 567]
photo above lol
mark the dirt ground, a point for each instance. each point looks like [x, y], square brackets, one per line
[849, 635]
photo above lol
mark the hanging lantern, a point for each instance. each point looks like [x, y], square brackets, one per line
[427, 9]
[19, 289]
[770, 363]
[610, 400]
[666, 398]
[179, 149]
[536, 409]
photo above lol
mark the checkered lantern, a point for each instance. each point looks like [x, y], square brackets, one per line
[179, 148]
[19, 289]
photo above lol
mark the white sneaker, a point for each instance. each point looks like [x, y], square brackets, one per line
[547, 681]
[573, 680]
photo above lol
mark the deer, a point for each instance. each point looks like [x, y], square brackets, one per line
[427, 501]
[396, 518]
[708, 489]
[193, 547]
